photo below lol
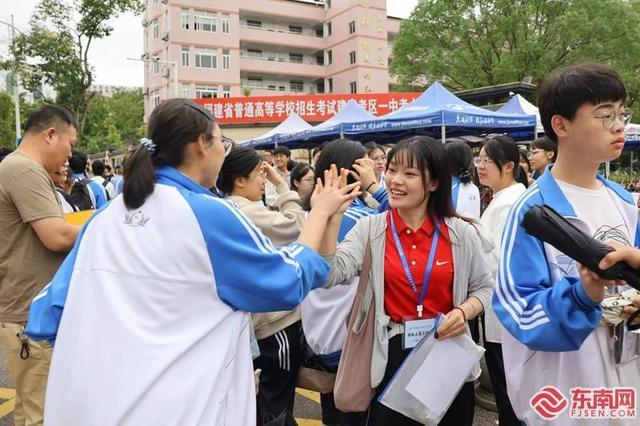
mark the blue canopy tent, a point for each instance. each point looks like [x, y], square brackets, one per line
[518, 105]
[438, 113]
[351, 111]
[632, 142]
[292, 124]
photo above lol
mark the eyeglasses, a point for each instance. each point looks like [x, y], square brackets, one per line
[482, 161]
[228, 143]
[609, 118]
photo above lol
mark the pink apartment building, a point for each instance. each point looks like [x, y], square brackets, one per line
[228, 48]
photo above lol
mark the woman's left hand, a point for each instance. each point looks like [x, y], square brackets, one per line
[627, 311]
[453, 325]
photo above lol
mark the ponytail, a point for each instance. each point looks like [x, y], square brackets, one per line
[139, 177]
[173, 125]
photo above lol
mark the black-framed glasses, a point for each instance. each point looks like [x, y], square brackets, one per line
[609, 118]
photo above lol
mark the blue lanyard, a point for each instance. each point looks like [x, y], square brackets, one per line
[427, 274]
[454, 191]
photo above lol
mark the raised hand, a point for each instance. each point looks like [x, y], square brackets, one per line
[334, 195]
[364, 172]
[271, 174]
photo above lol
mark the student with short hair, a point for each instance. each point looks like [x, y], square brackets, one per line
[158, 321]
[98, 168]
[281, 157]
[85, 193]
[554, 332]
[543, 152]
[302, 179]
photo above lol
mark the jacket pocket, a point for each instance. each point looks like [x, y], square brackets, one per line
[380, 349]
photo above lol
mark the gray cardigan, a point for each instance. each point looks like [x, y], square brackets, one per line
[472, 275]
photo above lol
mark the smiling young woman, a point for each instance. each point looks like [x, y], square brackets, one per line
[421, 222]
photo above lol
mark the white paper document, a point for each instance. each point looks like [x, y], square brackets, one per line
[443, 372]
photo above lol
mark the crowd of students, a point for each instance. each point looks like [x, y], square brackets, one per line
[222, 267]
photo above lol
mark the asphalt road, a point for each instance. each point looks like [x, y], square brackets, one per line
[307, 408]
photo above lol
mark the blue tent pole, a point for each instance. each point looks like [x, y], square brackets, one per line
[443, 133]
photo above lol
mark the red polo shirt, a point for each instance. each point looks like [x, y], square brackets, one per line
[399, 298]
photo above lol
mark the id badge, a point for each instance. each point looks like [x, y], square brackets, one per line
[415, 329]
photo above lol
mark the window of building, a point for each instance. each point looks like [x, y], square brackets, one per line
[204, 21]
[226, 59]
[295, 29]
[295, 58]
[206, 58]
[225, 23]
[352, 27]
[155, 28]
[329, 85]
[226, 91]
[296, 85]
[184, 18]
[186, 91]
[328, 29]
[319, 32]
[328, 3]
[252, 23]
[329, 57]
[155, 99]
[254, 82]
[254, 53]
[206, 92]
[352, 57]
[185, 56]
[353, 87]
[156, 66]
[320, 59]
[320, 86]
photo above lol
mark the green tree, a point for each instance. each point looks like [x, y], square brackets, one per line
[62, 32]
[7, 121]
[114, 121]
[472, 43]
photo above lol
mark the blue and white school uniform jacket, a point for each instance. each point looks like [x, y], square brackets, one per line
[149, 311]
[325, 310]
[549, 335]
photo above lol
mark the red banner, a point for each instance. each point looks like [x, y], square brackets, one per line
[269, 109]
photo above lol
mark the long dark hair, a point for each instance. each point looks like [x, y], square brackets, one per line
[240, 162]
[341, 152]
[460, 160]
[428, 156]
[503, 150]
[172, 125]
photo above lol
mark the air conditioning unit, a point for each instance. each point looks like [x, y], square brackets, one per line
[144, 57]
[165, 72]
[144, 22]
[165, 36]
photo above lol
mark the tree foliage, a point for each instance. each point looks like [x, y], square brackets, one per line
[473, 43]
[114, 122]
[56, 49]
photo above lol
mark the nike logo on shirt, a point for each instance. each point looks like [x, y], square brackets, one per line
[439, 263]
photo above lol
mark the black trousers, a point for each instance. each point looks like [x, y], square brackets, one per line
[495, 364]
[280, 359]
[460, 413]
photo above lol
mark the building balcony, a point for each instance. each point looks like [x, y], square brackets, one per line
[281, 37]
[274, 65]
[266, 87]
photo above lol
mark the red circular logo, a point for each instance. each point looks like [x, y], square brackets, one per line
[548, 403]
